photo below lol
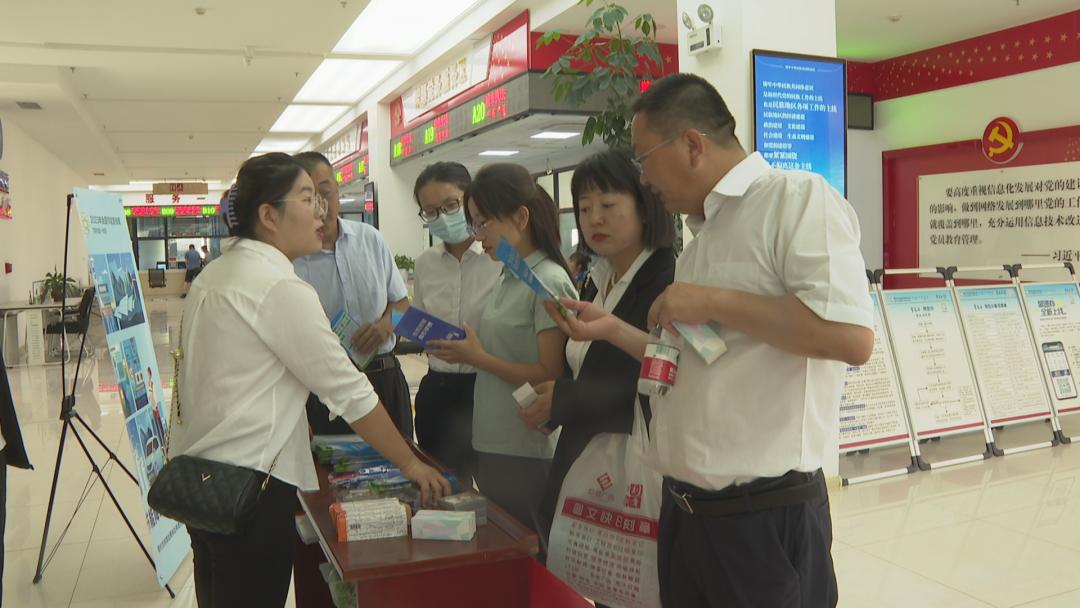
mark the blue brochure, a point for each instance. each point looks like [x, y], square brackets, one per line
[345, 327]
[420, 327]
[517, 265]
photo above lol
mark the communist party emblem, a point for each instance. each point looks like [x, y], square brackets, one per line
[1001, 140]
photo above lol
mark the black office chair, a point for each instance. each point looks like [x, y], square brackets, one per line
[156, 277]
[74, 322]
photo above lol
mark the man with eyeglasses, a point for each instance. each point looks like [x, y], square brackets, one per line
[356, 272]
[775, 263]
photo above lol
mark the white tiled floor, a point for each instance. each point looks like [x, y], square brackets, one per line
[1001, 533]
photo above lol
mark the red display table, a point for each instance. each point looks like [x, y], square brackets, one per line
[495, 569]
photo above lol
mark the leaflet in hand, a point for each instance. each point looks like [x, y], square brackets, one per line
[704, 339]
[517, 265]
[420, 327]
[345, 328]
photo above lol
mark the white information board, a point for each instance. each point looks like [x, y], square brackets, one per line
[1006, 365]
[1000, 216]
[1054, 310]
[938, 386]
[871, 405]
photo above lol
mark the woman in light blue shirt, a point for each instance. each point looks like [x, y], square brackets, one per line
[517, 341]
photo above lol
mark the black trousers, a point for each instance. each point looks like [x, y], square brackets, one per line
[780, 558]
[391, 387]
[444, 411]
[517, 485]
[254, 568]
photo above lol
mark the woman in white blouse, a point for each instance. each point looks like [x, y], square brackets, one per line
[454, 280]
[255, 342]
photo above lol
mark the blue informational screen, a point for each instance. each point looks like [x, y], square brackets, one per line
[800, 117]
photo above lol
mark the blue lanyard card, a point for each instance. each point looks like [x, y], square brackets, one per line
[517, 265]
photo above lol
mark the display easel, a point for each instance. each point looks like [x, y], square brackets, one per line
[1058, 405]
[938, 309]
[1037, 403]
[860, 381]
[70, 416]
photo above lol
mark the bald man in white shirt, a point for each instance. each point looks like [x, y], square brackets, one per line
[745, 519]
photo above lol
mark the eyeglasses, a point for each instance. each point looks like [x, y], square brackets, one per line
[450, 205]
[640, 159]
[477, 230]
[315, 202]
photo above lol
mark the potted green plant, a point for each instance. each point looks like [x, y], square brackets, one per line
[405, 265]
[619, 57]
[55, 285]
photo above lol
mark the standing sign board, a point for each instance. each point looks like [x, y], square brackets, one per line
[937, 381]
[871, 405]
[1054, 311]
[1006, 365]
[131, 350]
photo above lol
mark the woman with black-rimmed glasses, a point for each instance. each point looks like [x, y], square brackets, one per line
[254, 342]
[454, 280]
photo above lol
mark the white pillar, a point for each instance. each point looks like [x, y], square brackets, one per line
[794, 26]
[398, 221]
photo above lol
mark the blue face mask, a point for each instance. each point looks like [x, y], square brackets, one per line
[450, 227]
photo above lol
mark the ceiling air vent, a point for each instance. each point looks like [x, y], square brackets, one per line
[28, 105]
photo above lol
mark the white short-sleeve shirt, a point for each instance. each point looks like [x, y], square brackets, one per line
[454, 290]
[758, 411]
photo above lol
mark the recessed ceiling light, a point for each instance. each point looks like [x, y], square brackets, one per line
[344, 80]
[307, 119]
[285, 144]
[556, 135]
[499, 152]
[400, 26]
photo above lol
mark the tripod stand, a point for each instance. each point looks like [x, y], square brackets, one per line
[70, 416]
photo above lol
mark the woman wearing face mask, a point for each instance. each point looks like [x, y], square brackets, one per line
[453, 282]
[517, 342]
[254, 342]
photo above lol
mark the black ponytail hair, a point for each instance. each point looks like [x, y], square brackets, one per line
[265, 179]
[500, 189]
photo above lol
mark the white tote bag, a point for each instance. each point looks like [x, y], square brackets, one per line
[603, 538]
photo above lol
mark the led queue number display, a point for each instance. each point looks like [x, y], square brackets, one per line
[171, 211]
[485, 110]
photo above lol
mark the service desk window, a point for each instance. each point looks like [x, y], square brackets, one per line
[150, 227]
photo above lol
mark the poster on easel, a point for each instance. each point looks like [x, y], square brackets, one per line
[1054, 311]
[937, 382]
[1006, 365]
[871, 405]
[131, 352]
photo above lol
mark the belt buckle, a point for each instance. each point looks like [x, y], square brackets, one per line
[681, 501]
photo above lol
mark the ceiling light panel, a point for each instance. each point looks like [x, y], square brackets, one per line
[499, 152]
[288, 145]
[556, 134]
[307, 119]
[344, 80]
[400, 26]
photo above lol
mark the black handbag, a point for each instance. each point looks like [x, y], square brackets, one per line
[205, 494]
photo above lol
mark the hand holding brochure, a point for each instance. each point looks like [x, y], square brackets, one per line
[420, 327]
[345, 328]
[517, 265]
[704, 339]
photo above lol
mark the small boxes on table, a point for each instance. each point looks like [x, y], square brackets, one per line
[466, 501]
[370, 519]
[444, 525]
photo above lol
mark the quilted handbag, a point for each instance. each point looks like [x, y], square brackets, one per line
[205, 494]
